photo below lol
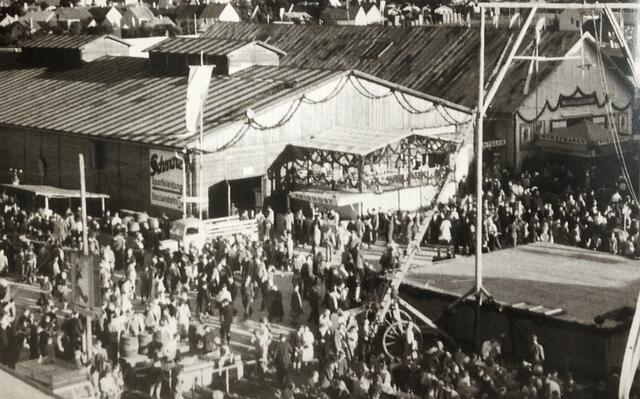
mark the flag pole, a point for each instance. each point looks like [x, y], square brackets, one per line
[201, 150]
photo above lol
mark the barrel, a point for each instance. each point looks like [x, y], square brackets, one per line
[128, 345]
[144, 340]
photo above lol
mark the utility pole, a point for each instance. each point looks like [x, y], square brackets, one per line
[85, 253]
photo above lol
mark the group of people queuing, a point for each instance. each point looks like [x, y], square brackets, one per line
[551, 204]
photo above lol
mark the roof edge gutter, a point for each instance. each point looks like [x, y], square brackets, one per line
[94, 137]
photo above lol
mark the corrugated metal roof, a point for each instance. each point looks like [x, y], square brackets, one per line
[186, 45]
[120, 98]
[437, 60]
[352, 140]
[60, 41]
[67, 41]
[191, 45]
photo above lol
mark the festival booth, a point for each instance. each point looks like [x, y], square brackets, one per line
[30, 195]
[352, 170]
[588, 145]
[585, 139]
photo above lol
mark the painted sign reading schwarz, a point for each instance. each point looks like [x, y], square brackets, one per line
[166, 179]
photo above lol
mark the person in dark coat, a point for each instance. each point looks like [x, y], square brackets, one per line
[314, 302]
[76, 331]
[282, 360]
[226, 313]
[5, 341]
[276, 308]
[306, 274]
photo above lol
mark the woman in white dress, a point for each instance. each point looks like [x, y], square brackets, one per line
[307, 346]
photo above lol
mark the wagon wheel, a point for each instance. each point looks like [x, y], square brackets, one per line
[394, 340]
[394, 315]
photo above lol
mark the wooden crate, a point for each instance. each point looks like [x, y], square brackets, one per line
[53, 373]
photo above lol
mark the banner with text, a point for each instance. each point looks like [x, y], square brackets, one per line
[166, 179]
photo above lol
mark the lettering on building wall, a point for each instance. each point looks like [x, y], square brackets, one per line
[166, 179]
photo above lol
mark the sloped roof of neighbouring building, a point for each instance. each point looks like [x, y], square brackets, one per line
[438, 60]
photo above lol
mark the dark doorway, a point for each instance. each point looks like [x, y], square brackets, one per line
[218, 206]
[245, 194]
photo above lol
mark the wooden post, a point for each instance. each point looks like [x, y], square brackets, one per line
[360, 174]
[85, 252]
[409, 163]
[184, 186]
[83, 205]
[228, 198]
[479, 140]
[46, 204]
[226, 380]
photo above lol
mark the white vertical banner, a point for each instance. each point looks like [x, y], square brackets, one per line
[631, 356]
[166, 179]
[197, 91]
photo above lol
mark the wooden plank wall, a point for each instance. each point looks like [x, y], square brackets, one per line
[116, 168]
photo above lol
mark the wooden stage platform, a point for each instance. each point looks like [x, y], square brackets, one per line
[582, 284]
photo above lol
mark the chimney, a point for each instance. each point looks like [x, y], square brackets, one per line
[281, 14]
[383, 4]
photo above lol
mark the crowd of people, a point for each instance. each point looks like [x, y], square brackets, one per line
[550, 205]
[170, 298]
